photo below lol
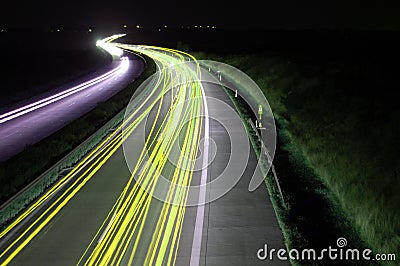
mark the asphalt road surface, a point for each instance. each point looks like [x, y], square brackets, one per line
[103, 212]
[32, 124]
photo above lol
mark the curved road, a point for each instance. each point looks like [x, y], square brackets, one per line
[100, 213]
[28, 124]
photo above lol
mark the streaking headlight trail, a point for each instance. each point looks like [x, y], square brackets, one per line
[121, 68]
[107, 46]
[161, 137]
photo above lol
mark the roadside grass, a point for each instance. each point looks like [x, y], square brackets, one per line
[337, 154]
[305, 213]
[20, 170]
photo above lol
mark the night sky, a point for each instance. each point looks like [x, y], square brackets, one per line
[278, 14]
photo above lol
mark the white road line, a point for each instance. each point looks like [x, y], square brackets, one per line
[198, 230]
[8, 135]
[106, 230]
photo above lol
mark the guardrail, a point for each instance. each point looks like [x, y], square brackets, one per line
[219, 76]
[29, 193]
[34, 189]
[266, 154]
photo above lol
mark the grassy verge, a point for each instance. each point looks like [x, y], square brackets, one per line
[304, 213]
[336, 157]
[19, 171]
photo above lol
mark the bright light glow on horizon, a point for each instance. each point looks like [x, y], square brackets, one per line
[108, 47]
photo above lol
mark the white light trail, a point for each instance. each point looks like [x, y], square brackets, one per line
[61, 95]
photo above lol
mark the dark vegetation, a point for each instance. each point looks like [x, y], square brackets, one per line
[336, 105]
[308, 218]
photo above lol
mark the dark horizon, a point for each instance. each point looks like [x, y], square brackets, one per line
[284, 15]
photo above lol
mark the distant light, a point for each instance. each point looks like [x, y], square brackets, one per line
[214, 27]
[195, 26]
[125, 26]
[208, 26]
[165, 26]
[201, 26]
[109, 47]
[58, 30]
[90, 30]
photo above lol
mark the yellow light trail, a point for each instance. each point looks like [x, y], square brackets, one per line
[109, 248]
[123, 227]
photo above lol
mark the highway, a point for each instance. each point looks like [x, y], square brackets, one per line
[130, 201]
[34, 121]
